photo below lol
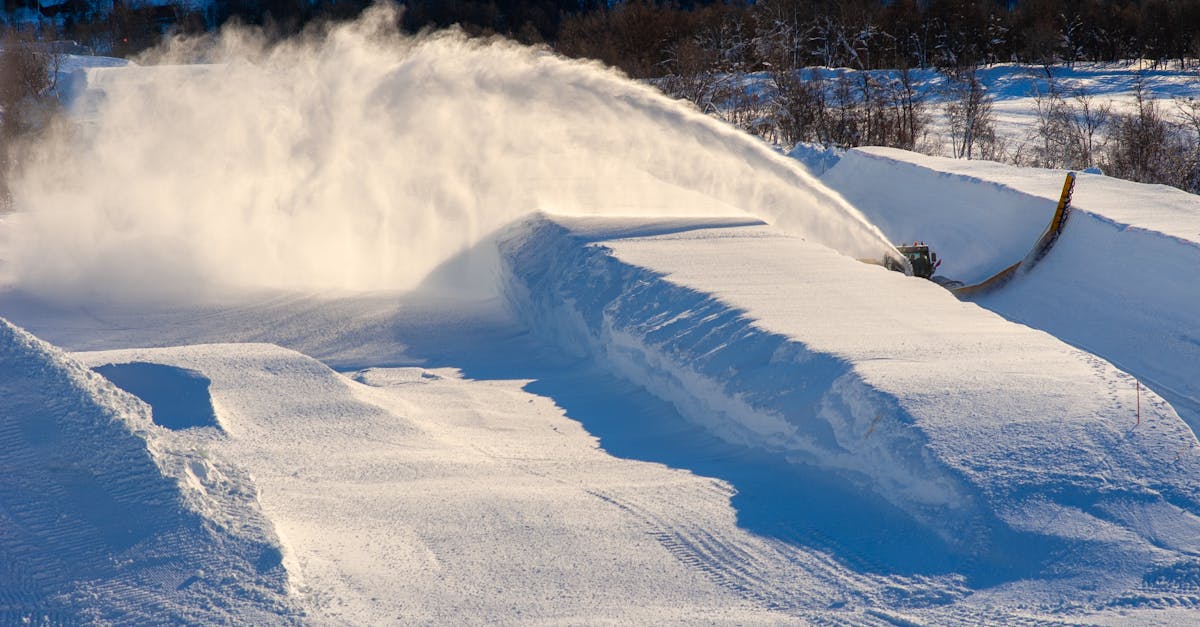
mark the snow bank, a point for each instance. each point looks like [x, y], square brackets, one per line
[949, 213]
[1119, 283]
[712, 363]
[817, 158]
[105, 518]
[1017, 450]
[76, 73]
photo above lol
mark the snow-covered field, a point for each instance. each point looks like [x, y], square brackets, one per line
[638, 377]
[1014, 92]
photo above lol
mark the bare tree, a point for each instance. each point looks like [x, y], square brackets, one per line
[913, 116]
[709, 69]
[970, 112]
[24, 73]
[1145, 147]
[778, 41]
[1091, 118]
[1189, 114]
[1137, 140]
[800, 108]
[846, 122]
[1059, 140]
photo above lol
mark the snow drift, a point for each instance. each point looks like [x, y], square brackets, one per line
[105, 518]
[1017, 450]
[357, 158]
[1118, 282]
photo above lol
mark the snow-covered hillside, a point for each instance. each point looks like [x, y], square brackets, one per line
[688, 401]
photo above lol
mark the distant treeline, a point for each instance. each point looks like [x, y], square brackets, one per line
[648, 38]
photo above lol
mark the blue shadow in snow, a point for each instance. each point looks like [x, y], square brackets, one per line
[178, 397]
[776, 498]
[795, 503]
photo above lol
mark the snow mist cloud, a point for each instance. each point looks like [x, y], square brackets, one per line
[361, 159]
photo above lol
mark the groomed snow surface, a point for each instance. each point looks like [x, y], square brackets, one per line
[653, 420]
[686, 420]
[1120, 283]
[1013, 458]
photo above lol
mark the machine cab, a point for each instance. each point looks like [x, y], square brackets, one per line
[923, 261]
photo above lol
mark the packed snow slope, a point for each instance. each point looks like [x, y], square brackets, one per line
[106, 517]
[1120, 282]
[422, 493]
[410, 495]
[485, 474]
[1011, 449]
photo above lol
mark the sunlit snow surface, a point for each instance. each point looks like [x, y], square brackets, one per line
[643, 418]
[1120, 282]
[1017, 456]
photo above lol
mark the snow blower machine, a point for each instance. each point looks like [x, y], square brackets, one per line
[922, 260]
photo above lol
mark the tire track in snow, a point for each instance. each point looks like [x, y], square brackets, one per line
[741, 566]
[805, 583]
[770, 574]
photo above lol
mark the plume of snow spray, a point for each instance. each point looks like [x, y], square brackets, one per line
[359, 158]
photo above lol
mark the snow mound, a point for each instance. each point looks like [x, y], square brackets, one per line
[1116, 284]
[104, 518]
[76, 72]
[297, 427]
[1018, 451]
[816, 158]
[422, 496]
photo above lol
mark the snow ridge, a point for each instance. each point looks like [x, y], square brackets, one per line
[103, 519]
[1018, 456]
[746, 385]
[1012, 220]
[1111, 284]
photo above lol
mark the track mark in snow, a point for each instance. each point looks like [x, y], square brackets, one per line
[770, 574]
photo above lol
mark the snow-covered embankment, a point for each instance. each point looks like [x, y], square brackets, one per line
[1016, 449]
[106, 517]
[1119, 283]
